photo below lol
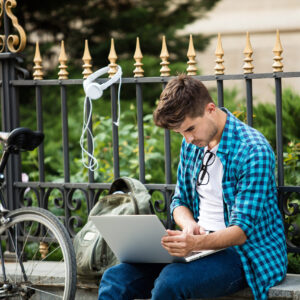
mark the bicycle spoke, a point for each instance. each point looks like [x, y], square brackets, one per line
[28, 230]
[44, 292]
[18, 259]
[37, 251]
[42, 280]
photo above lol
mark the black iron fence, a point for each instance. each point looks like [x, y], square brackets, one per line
[13, 78]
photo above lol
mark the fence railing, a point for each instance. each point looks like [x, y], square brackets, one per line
[15, 190]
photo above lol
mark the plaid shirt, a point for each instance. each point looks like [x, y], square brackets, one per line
[250, 200]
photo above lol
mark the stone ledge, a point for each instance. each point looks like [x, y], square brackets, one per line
[288, 289]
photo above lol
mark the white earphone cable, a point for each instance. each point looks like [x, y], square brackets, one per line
[93, 163]
[119, 103]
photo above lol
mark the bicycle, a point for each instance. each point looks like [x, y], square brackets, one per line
[35, 238]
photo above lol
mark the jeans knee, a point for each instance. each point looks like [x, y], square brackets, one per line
[112, 285]
[167, 288]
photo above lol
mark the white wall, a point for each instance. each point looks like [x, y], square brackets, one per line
[261, 18]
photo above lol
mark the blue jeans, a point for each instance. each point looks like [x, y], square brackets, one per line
[219, 274]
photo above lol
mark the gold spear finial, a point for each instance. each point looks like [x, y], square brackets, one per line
[112, 57]
[38, 69]
[63, 73]
[44, 249]
[138, 71]
[248, 67]
[219, 68]
[87, 59]
[164, 55]
[277, 50]
[191, 54]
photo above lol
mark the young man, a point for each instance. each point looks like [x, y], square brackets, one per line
[225, 197]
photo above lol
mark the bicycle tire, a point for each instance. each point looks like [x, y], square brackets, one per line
[55, 275]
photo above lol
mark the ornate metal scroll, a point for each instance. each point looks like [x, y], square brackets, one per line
[13, 42]
[291, 209]
[2, 37]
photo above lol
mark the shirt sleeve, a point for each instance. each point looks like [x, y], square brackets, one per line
[256, 178]
[179, 198]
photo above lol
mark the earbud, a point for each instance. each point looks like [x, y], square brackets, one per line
[94, 90]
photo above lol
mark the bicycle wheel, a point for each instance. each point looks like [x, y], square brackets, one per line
[43, 264]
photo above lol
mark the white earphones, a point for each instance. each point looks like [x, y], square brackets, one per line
[93, 91]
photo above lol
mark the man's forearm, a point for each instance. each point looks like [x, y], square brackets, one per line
[183, 216]
[230, 236]
[178, 243]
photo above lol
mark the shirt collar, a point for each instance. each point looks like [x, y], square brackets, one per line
[227, 134]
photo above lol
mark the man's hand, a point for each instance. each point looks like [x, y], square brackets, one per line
[193, 228]
[179, 243]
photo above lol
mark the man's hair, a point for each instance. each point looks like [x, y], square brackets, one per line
[184, 96]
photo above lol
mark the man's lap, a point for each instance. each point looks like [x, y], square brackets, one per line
[212, 276]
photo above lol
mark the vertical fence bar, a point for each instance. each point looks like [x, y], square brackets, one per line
[115, 130]
[91, 174]
[248, 69]
[90, 140]
[139, 102]
[249, 99]
[40, 127]
[165, 72]
[63, 75]
[112, 57]
[87, 70]
[65, 133]
[279, 140]
[219, 70]
[220, 91]
[38, 75]
[278, 67]
[139, 72]
[10, 121]
[41, 155]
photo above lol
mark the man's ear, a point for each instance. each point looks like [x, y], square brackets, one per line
[210, 107]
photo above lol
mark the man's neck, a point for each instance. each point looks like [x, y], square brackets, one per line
[221, 118]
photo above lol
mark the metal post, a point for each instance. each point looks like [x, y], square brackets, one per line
[139, 102]
[10, 120]
[65, 133]
[115, 131]
[279, 141]
[41, 153]
[220, 93]
[249, 102]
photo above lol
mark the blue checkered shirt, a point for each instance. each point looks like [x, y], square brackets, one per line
[250, 200]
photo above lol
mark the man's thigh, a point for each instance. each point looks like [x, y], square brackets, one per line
[129, 281]
[212, 276]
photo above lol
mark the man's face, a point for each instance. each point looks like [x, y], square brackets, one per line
[199, 131]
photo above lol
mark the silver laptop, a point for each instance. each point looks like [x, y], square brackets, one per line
[137, 239]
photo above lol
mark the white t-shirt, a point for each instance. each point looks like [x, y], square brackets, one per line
[211, 216]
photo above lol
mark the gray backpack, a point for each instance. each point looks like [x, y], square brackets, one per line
[126, 196]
